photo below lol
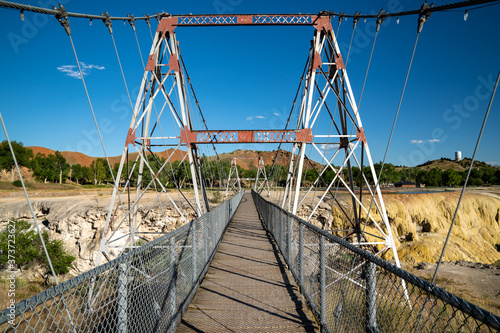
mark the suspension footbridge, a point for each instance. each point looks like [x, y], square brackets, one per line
[249, 263]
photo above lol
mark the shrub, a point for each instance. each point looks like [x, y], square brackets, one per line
[217, 197]
[25, 249]
[17, 183]
[29, 251]
[61, 260]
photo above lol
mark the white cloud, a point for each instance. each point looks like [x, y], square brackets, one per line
[260, 117]
[249, 118]
[276, 113]
[422, 141]
[330, 146]
[72, 70]
[494, 163]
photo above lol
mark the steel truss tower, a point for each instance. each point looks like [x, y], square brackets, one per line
[261, 185]
[326, 98]
[163, 95]
[235, 184]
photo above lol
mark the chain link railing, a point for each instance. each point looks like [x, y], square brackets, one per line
[145, 290]
[351, 290]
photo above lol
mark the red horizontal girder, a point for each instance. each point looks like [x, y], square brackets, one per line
[287, 19]
[246, 136]
[169, 23]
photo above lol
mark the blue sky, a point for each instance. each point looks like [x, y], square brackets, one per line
[246, 77]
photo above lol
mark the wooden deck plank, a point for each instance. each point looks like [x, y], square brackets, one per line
[247, 287]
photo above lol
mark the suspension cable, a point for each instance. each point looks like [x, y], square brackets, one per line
[63, 19]
[393, 127]
[108, 24]
[42, 241]
[132, 24]
[459, 199]
[466, 179]
[61, 16]
[368, 68]
[291, 112]
[29, 201]
[146, 18]
[199, 108]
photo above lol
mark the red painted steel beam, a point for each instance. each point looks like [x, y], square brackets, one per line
[169, 23]
[245, 136]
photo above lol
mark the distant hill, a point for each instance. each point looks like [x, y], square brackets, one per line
[246, 159]
[446, 163]
[84, 160]
[249, 159]
[70, 156]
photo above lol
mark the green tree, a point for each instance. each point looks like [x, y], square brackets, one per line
[78, 173]
[452, 178]
[247, 173]
[61, 165]
[98, 171]
[497, 177]
[434, 178]
[23, 156]
[421, 177]
[488, 175]
[45, 168]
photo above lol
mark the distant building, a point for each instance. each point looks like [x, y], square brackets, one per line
[405, 183]
[458, 156]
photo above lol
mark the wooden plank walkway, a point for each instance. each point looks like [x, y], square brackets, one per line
[247, 287]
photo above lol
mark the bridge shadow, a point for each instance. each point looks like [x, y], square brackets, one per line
[290, 286]
[247, 288]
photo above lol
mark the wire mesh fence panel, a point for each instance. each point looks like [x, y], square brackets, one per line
[351, 290]
[144, 290]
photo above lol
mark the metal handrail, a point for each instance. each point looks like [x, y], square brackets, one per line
[289, 232]
[160, 277]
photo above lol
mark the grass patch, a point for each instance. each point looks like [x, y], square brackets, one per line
[451, 286]
[216, 196]
[24, 289]
[6, 186]
[95, 186]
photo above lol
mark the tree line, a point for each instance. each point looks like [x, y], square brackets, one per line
[435, 177]
[55, 169]
[52, 168]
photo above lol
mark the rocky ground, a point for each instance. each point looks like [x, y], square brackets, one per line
[78, 219]
[475, 282]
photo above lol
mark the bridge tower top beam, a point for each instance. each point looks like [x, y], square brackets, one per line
[169, 23]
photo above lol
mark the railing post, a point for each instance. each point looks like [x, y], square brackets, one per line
[270, 222]
[205, 239]
[371, 297]
[173, 277]
[322, 283]
[282, 230]
[289, 238]
[122, 298]
[194, 249]
[301, 253]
